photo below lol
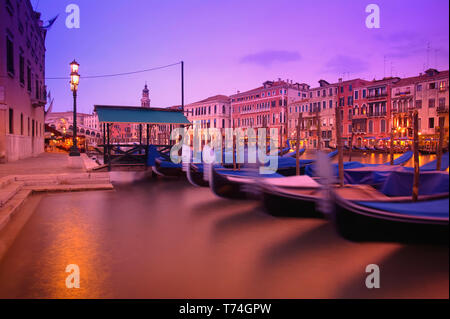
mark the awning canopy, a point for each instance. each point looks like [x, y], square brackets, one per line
[139, 115]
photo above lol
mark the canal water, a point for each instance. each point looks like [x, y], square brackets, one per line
[163, 238]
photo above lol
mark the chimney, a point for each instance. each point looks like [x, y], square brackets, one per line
[340, 80]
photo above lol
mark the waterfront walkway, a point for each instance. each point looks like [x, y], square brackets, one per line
[45, 163]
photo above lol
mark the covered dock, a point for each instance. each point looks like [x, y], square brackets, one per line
[134, 156]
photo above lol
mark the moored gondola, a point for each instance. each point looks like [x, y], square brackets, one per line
[390, 214]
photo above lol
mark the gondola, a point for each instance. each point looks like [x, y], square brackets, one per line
[294, 153]
[431, 166]
[236, 184]
[247, 181]
[401, 160]
[377, 216]
[294, 197]
[165, 167]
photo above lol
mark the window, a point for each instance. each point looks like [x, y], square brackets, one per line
[330, 104]
[432, 86]
[442, 86]
[356, 95]
[364, 93]
[22, 69]
[431, 122]
[350, 88]
[11, 121]
[9, 56]
[370, 126]
[349, 128]
[442, 102]
[383, 126]
[21, 123]
[419, 87]
[419, 104]
[28, 78]
[431, 103]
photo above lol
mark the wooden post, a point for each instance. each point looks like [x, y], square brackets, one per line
[234, 152]
[415, 191]
[140, 138]
[108, 147]
[351, 146]
[339, 146]
[318, 127]
[391, 148]
[441, 143]
[297, 154]
[146, 143]
[104, 143]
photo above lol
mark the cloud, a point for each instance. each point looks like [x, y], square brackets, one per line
[267, 58]
[345, 64]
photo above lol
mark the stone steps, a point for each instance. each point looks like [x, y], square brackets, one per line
[12, 206]
[7, 192]
[14, 190]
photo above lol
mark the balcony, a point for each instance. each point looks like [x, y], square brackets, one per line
[377, 96]
[442, 109]
[403, 93]
[376, 114]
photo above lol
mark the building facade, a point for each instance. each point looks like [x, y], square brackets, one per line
[267, 106]
[317, 108]
[212, 112]
[87, 125]
[428, 94]
[22, 81]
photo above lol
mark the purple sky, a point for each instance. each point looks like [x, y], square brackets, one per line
[230, 45]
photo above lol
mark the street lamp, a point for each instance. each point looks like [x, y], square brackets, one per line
[74, 81]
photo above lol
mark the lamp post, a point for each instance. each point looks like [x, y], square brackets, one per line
[74, 81]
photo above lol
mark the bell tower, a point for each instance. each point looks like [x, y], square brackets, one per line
[145, 100]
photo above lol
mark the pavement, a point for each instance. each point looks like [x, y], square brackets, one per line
[45, 163]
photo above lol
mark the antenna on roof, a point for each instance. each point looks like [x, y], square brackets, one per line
[428, 55]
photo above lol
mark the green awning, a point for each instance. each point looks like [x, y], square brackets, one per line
[141, 115]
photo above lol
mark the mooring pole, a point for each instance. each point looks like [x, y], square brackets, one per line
[415, 191]
[351, 146]
[391, 148]
[182, 86]
[318, 127]
[339, 146]
[297, 151]
[441, 143]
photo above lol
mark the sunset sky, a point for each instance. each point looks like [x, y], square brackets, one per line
[231, 45]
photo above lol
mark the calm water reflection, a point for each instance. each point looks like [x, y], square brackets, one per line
[167, 239]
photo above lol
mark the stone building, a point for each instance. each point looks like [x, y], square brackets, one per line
[22, 81]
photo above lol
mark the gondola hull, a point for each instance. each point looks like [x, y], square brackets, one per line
[167, 169]
[225, 187]
[283, 205]
[360, 223]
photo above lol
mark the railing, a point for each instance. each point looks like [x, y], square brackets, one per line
[375, 114]
[442, 109]
[375, 96]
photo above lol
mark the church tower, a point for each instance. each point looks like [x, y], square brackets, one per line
[145, 100]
